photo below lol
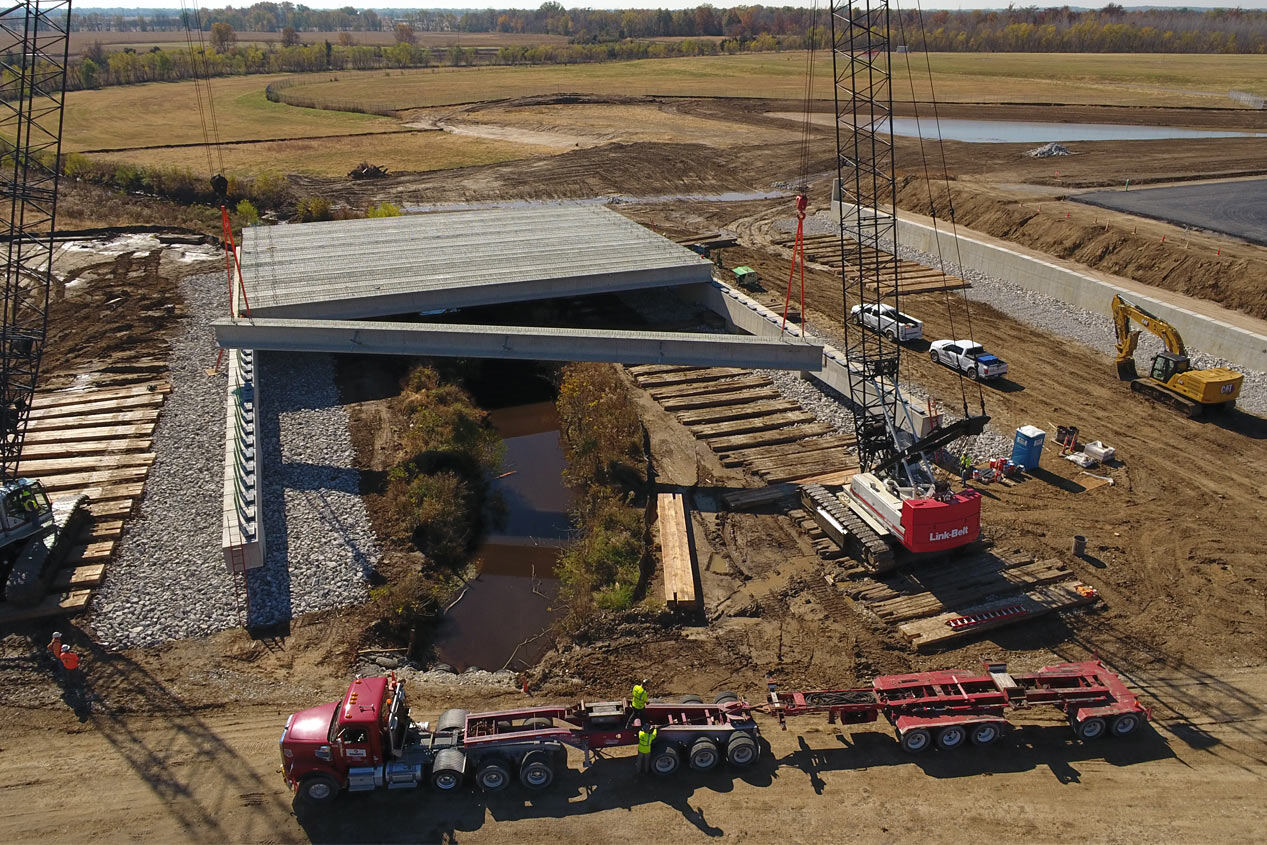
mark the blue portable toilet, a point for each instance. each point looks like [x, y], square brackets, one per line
[1027, 449]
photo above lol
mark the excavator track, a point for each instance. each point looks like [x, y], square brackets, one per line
[1159, 394]
[43, 553]
[847, 530]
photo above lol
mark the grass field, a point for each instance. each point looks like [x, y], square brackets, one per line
[160, 114]
[167, 113]
[1113, 79]
[334, 157]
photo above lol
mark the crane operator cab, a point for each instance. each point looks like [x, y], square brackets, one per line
[24, 508]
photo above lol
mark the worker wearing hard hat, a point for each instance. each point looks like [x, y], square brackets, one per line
[70, 661]
[646, 736]
[637, 702]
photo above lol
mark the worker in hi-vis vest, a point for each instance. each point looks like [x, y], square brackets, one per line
[646, 736]
[637, 702]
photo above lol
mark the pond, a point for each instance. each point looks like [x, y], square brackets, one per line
[498, 619]
[1031, 131]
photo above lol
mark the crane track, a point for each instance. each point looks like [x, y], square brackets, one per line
[847, 529]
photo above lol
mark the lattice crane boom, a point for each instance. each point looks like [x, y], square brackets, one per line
[34, 47]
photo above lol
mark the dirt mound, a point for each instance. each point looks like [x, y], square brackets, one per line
[1232, 281]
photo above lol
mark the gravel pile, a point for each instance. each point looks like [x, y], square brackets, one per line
[168, 580]
[319, 547]
[1049, 150]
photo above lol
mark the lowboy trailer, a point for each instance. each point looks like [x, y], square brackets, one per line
[947, 708]
[367, 741]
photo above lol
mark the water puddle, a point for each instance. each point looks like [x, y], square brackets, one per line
[499, 618]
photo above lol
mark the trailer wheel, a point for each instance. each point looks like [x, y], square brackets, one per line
[742, 750]
[984, 733]
[1089, 729]
[725, 697]
[493, 776]
[535, 771]
[951, 737]
[692, 699]
[1125, 724]
[451, 720]
[916, 740]
[538, 723]
[703, 754]
[665, 759]
[318, 789]
[447, 770]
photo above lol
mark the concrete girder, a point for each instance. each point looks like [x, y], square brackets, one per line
[515, 342]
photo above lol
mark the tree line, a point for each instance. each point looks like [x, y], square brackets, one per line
[1054, 29]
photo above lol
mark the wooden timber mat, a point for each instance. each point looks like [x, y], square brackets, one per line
[95, 440]
[747, 422]
[912, 276]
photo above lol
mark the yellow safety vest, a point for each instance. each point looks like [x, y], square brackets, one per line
[645, 738]
[639, 697]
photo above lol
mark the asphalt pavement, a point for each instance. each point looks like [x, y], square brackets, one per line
[1237, 208]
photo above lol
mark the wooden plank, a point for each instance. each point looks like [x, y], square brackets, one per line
[84, 434]
[83, 481]
[95, 420]
[86, 463]
[110, 492]
[738, 500]
[717, 400]
[79, 577]
[792, 473]
[97, 552]
[113, 507]
[830, 478]
[688, 376]
[74, 397]
[905, 608]
[675, 551]
[768, 438]
[61, 604]
[101, 529]
[39, 451]
[820, 458]
[741, 456]
[736, 412]
[766, 423]
[704, 388]
[641, 370]
[933, 631]
[144, 400]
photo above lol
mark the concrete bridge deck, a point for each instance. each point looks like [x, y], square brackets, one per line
[349, 269]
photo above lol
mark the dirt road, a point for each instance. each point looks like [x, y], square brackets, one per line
[181, 774]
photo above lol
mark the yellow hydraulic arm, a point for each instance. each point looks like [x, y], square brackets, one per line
[1123, 313]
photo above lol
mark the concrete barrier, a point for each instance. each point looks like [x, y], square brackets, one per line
[242, 538]
[1200, 332]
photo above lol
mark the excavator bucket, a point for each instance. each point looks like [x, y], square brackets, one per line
[1126, 370]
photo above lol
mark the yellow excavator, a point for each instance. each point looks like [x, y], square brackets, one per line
[1172, 379]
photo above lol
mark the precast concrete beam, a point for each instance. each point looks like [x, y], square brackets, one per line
[515, 342]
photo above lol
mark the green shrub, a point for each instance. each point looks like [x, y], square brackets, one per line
[312, 209]
[383, 209]
[248, 214]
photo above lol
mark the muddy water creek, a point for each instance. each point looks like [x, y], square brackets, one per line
[497, 620]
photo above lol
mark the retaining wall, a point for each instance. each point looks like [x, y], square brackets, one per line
[1200, 332]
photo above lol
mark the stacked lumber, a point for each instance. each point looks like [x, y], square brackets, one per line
[748, 423]
[912, 276]
[98, 441]
[675, 552]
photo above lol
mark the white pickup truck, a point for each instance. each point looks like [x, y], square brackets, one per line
[967, 357]
[887, 320]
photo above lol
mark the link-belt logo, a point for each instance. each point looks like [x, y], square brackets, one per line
[947, 535]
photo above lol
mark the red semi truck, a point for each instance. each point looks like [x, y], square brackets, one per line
[367, 741]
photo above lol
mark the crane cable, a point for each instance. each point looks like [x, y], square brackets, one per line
[190, 13]
[945, 179]
[802, 185]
